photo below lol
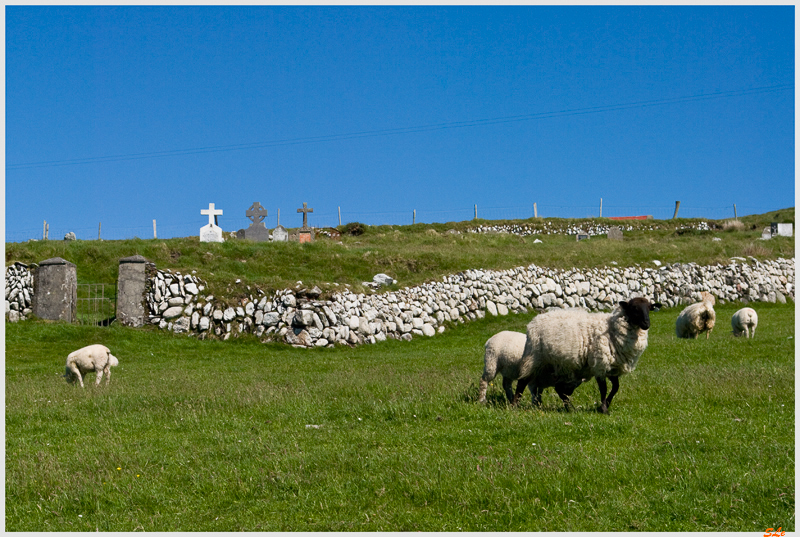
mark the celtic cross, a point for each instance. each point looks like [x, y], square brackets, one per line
[256, 213]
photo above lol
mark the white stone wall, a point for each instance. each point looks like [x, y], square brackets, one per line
[19, 292]
[177, 302]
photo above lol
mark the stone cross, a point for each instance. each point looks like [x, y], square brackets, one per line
[305, 210]
[256, 213]
[211, 212]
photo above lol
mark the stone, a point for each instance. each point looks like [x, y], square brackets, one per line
[211, 232]
[615, 233]
[766, 234]
[279, 234]
[131, 284]
[257, 231]
[70, 236]
[229, 314]
[383, 279]
[203, 324]
[271, 319]
[171, 313]
[581, 236]
[785, 230]
[55, 296]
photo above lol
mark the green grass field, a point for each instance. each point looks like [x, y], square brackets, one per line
[238, 435]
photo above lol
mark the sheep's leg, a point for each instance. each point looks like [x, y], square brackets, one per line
[107, 371]
[507, 387]
[99, 377]
[77, 373]
[521, 385]
[751, 333]
[484, 385]
[601, 385]
[536, 394]
[605, 402]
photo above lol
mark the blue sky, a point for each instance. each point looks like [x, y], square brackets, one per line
[125, 115]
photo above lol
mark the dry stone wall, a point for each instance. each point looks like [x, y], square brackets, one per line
[19, 292]
[178, 302]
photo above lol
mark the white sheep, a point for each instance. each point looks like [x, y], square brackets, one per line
[744, 322]
[503, 355]
[95, 358]
[697, 318]
[567, 347]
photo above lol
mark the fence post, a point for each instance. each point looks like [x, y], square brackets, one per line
[55, 295]
[47, 232]
[535, 213]
[476, 211]
[735, 216]
[44, 230]
[131, 291]
[340, 216]
[601, 207]
[414, 217]
[279, 217]
[677, 205]
[99, 227]
[154, 229]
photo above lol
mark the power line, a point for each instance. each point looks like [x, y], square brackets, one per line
[404, 130]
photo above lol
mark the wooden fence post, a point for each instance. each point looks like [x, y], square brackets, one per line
[535, 213]
[601, 207]
[414, 217]
[99, 227]
[735, 216]
[677, 205]
[340, 216]
[154, 229]
[476, 211]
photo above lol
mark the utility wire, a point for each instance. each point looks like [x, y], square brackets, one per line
[405, 130]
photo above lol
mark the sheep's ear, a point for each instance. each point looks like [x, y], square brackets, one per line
[655, 307]
[624, 304]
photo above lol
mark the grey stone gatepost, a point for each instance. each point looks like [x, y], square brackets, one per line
[55, 295]
[130, 291]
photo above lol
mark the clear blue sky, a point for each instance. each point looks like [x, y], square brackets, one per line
[123, 115]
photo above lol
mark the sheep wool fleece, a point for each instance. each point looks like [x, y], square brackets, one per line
[573, 344]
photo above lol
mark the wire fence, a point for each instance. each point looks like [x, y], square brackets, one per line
[321, 219]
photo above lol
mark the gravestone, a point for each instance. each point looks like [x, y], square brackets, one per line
[581, 236]
[131, 291]
[211, 232]
[257, 231]
[55, 295]
[615, 233]
[785, 230]
[279, 234]
[305, 233]
[766, 234]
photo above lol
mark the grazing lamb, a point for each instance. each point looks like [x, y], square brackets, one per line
[503, 355]
[567, 347]
[95, 358]
[744, 322]
[697, 318]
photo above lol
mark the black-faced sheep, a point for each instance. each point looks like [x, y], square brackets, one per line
[744, 322]
[503, 355]
[567, 347]
[697, 318]
[95, 358]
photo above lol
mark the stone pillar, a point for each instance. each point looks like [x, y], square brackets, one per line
[130, 291]
[55, 295]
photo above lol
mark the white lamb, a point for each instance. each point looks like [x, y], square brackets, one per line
[503, 355]
[744, 322]
[567, 347]
[697, 318]
[95, 358]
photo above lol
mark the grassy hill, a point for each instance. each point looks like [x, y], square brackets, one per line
[418, 253]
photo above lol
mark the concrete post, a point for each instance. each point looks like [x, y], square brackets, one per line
[55, 296]
[130, 291]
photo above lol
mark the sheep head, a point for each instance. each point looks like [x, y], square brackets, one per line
[637, 311]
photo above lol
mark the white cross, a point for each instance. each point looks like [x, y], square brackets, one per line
[211, 213]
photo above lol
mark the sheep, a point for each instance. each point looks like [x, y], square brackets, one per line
[744, 322]
[503, 355]
[697, 318]
[95, 358]
[565, 348]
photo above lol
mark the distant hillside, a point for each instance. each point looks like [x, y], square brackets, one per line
[423, 252]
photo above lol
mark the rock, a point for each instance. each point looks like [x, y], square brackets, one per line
[382, 280]
[171, 313]
[70, 236]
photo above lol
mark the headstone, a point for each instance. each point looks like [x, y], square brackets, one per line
[211, 232]
[766, 234]
[131, 291]
[279, 234]
[257, 231]
[785, 230]
[305, 233]
[55, 295]
[773, 228]
[581, 236]
[615, 233]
